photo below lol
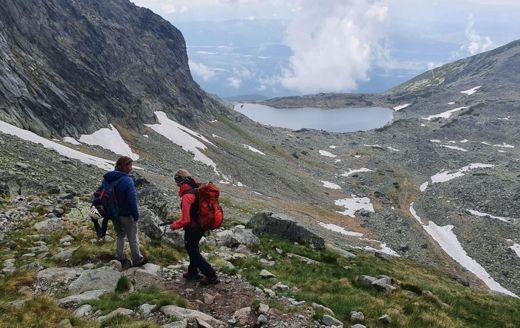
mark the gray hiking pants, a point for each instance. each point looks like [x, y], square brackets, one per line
[126, 226]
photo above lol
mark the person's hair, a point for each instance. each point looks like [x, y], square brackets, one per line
[183, 176]
[122, 162]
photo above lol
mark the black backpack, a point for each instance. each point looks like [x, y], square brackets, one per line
[105, 203]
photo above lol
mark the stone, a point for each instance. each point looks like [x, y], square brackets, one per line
[18, 304]
[358, 325]
[182, 313]
[331, 321]
[270, 292]
[49, 226]
[83, 310]
[65, 323]
[116, 265]
[76, 299]
[118, 312]
[302, 258]
[365, 280]
[208, 298]
[65, 254]
[104, 278]
[146, 309]
[177, 324]
[55, 276]
[280, 286]
[357, 317]
[149, 223]
[267, 223]
[266, 274]
[381, 284]
[263, 308]
[385, 319]
[262, 320]
[242, 315]
[323, 308]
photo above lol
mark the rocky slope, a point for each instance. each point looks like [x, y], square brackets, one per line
[70, 67]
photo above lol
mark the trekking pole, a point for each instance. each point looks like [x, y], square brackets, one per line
[162, 225]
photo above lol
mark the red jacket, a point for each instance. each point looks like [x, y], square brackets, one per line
[187, 199]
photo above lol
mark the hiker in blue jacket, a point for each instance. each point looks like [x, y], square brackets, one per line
[126, 223]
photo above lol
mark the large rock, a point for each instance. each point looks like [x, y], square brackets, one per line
[54, 276]
[182, 313]
[268, 223]
[236, 236]
[49, 225]
[104, 278]
[149, 224]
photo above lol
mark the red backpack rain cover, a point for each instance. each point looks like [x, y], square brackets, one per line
[210, 212]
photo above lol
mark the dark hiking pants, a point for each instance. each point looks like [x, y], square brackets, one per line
[197, 261]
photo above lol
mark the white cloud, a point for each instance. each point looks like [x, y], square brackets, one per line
[235, 82]
[333, 44]
[202, 70]
[475, 43]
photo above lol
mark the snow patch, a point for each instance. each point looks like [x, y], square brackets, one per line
[446, 176]
[454, 147]
[326, 154]
[384, 249]
[180, 135]
[102, 163]
[448, 241]
[354, 204]
[71, 140]
[109, 139]
[330, 185]
[352, 171]
[471, 91]
[446, 114]
[516, 249]
[145, 135]
[480, 214]
[424, 186]
[393, 149]
[341, 230]
[333, 147]
[403, 106]
[254, 150]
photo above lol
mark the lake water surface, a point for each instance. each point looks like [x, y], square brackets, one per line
[332, 120]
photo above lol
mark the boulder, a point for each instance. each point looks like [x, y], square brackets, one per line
[236, 236]
[182, 313]
[58, 275]
[149, 224]
[268, 223]
[104, 278]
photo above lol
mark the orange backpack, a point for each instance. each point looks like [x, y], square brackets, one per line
[210, 214]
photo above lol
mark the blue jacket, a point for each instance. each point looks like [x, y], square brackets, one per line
[125, 193]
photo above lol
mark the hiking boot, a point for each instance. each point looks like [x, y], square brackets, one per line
[191, 276]
[209, 281]
[126, 264]
[143, 262]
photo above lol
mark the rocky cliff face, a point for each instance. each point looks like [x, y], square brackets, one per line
[69, 67]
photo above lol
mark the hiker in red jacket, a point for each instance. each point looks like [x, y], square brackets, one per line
[192, 230]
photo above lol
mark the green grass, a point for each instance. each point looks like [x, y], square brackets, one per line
[152, 295]
[330, 284]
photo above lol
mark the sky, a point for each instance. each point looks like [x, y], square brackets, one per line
[274, 47]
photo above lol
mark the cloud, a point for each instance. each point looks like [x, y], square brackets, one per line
[333, 43]
[202, 70]
[475, 43]
[234, 82]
